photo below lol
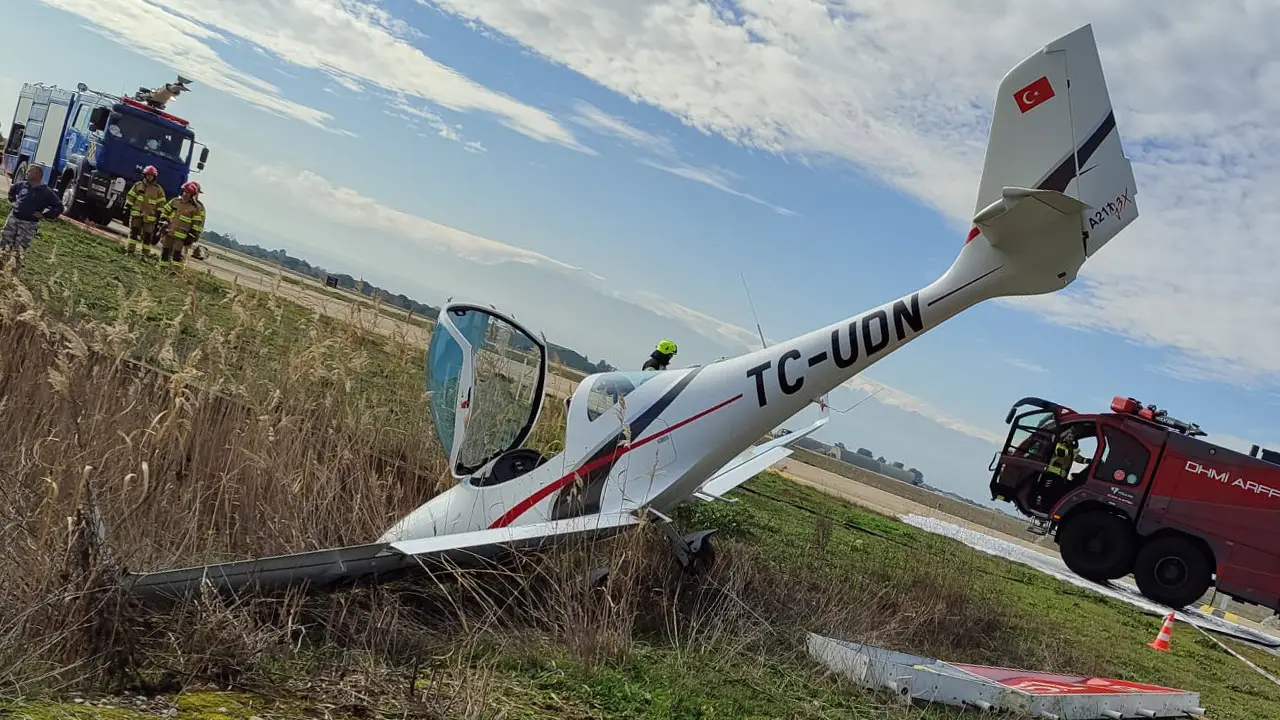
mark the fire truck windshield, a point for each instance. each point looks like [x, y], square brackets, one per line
[149, 137]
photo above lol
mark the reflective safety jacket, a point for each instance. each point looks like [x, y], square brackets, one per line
[185, 219]
[1063, 457]
[145, 200]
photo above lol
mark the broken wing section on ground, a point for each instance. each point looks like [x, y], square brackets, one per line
[328, 569]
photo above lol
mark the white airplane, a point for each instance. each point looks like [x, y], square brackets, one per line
[1055, 188]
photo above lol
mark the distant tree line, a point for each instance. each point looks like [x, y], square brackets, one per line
[563, 355]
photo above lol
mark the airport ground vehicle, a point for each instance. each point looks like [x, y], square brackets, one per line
[1146, 495]
[93, 145]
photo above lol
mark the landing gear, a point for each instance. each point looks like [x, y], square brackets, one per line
[693, 551]
[699, 552]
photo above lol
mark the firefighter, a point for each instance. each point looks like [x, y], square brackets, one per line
[1053, 482]
[661, 356]
[183, 219]
[145, 199]
[1065, 452]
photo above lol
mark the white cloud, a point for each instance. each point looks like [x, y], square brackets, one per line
[594, 118]
[355, 43]
[412, 114]
[716, 178]
[329, 203]
[724, 334]
[906, 401]
[904, 90]
[175, 41]
[349, 207]
[1025, 365]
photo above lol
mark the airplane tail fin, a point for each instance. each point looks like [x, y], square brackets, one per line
[1056, 185]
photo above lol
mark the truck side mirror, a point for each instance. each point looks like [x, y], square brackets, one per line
[204, 157]
[98, 119]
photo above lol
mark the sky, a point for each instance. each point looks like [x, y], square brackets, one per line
[611, 172]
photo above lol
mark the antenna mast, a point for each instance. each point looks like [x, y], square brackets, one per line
[756, 317]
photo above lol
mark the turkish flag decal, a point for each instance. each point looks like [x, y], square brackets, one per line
[1032, 95]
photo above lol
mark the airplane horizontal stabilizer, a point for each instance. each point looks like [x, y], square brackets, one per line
[1029, 214]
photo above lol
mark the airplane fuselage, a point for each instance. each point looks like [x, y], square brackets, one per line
[682, 425]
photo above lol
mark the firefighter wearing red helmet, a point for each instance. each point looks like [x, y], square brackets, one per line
[183, 222]
[144, 201]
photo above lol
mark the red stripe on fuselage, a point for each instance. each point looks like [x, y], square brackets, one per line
[975, 232]
[545, 491]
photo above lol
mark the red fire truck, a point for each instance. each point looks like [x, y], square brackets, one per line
[1137, 491]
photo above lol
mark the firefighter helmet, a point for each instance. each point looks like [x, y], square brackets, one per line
[666, 347]
[150, 170]
[191, 186]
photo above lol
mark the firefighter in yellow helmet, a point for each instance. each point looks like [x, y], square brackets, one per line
[661, 356]
[1066, 452]
[183, 222]
[144, 201]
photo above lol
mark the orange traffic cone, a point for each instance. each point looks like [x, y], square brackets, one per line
[1161, 642]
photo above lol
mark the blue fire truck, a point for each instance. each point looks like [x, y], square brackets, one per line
[92, 146]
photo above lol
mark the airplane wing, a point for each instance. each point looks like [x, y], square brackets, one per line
[517, 535]
[752, 462]
[726, 480]
[335, 567]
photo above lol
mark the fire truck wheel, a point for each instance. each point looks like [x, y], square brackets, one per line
[1173, 571]
[1096, 545]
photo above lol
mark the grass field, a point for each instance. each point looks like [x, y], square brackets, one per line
[274, 430]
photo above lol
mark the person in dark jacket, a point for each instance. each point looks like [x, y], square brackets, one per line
[661, 356]
[30, 202]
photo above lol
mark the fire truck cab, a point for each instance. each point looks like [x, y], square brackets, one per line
[1137, 491]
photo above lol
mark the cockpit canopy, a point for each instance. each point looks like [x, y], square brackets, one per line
[607, 389]
[486, 375]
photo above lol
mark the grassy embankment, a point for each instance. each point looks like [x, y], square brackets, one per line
[258, 266]
[277, 430]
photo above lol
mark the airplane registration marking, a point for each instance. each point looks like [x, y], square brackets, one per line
[869, 331]
[1113, 208]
